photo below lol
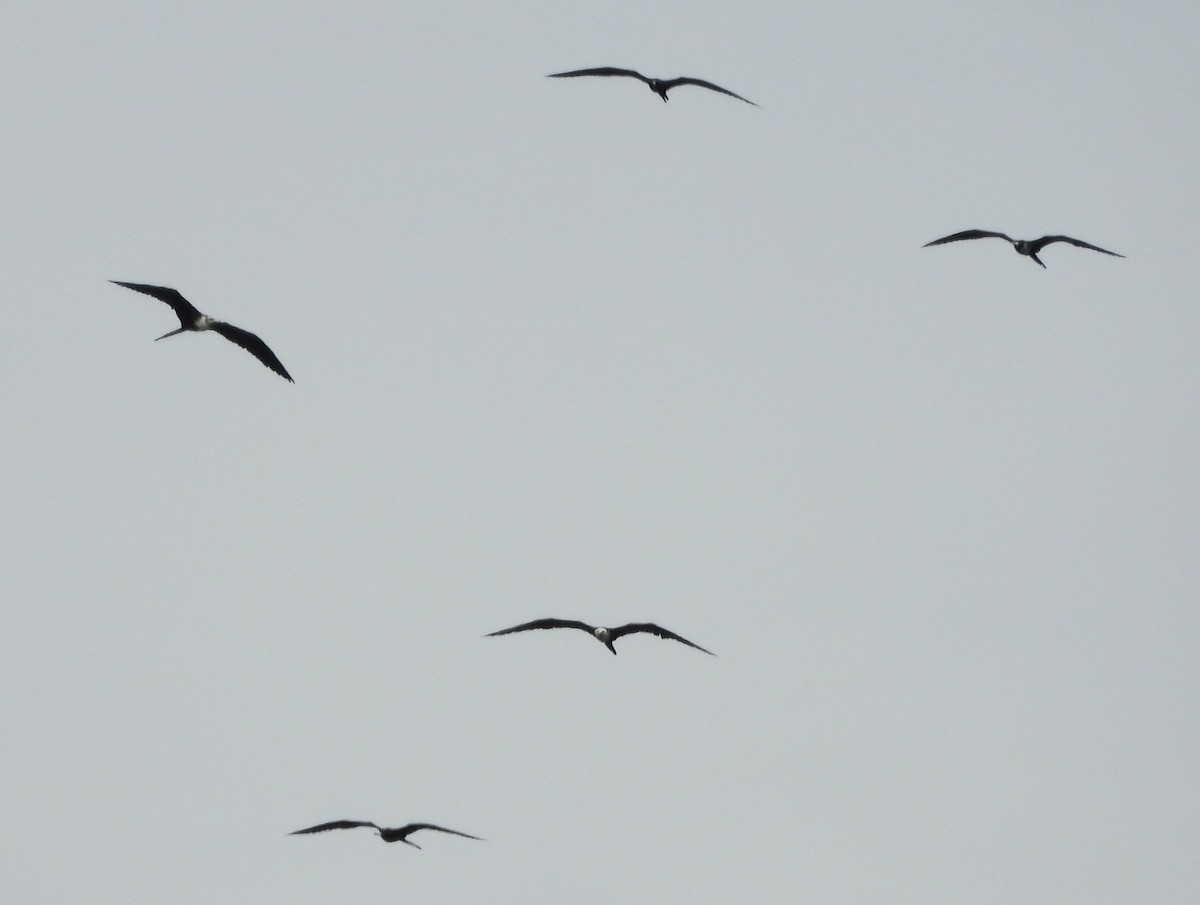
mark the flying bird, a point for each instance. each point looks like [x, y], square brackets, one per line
[658, 86]
[1028, 247]
[604, 635]
[388, 834]
[191, 319]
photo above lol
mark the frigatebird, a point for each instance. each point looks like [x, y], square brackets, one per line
[1028, 247]
[658, 86]
[191, 319]
[388, 834]
[604, 635]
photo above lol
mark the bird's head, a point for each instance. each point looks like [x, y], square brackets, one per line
[601, 633]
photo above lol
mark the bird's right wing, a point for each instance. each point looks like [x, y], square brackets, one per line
[1046, 240]
[651, 628]
[254, 345]
[600, 70]
[186, 311]
[688, 80]
[334, 825]
[543, 623]
[413, 827]
[968, 234]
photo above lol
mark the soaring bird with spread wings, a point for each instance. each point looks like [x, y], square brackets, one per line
[1028, 247]
[605, 636]
[191, 319]
[388, 834]
[658, 86]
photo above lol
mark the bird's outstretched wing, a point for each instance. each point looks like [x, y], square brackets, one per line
[543, 623]
[653, 629]
[600, 70]
[668, 84]
[1038, 244]
[334, 825]
[185, 310]
[413, 827]
[252, 344]
[968, 234]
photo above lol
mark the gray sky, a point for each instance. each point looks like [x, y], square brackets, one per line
[561, 349]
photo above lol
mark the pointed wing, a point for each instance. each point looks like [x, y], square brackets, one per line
[543, 623]
[668, 84]
[184, 309]
[413, 827]
[968, 234]
[601, 70]
[653, 629]
[1038, 244]
[252, 344]
[334, 825]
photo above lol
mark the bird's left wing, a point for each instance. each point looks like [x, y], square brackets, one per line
[333, 825]
[1046, 240]
[968, 234]
[687, 80]
[543, 623]
[252, 344]
[184, 310]
[658, 630]
[599, 70]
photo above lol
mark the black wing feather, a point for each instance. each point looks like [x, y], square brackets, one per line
[334, 825]
[544, 623]
[653, 629]
[252, 344]
[1038, 244]
[968, 234]
[600, 70]
[184, 310]
[688, 80]
[413, 827]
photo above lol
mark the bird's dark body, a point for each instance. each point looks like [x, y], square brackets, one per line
[399, 834]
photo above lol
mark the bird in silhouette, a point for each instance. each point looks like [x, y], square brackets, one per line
[658, 86]
[193, 320]
[388, 834]
[1027, 247]
[606, 636]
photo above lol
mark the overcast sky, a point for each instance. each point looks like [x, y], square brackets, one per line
[561, 349]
